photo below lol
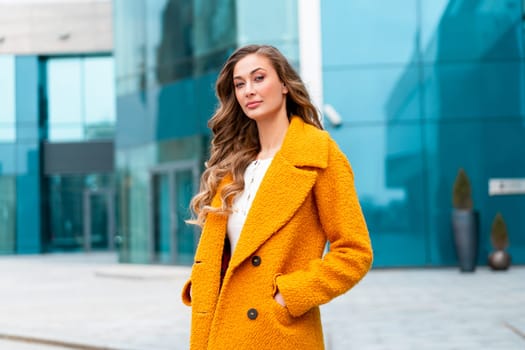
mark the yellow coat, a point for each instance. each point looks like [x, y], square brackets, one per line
[306, 198]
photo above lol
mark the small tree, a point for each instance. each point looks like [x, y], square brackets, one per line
[462, 195]
[499, 236]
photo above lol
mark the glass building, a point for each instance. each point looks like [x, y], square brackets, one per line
[423, 87]
[57, 124]
[426, 87]
[168, 54]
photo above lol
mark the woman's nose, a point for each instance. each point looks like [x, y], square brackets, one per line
[250, 89]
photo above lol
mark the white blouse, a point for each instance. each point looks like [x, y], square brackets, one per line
[242, 203]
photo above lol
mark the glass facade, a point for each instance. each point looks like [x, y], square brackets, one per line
[7, 99]
[80, 98]
[51, 99]
[79, 212]
[168, 54]
[426, 87]
[19, 161]
[7, 155]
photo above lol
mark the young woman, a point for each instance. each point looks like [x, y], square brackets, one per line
[275, 190]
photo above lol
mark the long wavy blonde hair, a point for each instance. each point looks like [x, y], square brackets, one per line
[235, 141]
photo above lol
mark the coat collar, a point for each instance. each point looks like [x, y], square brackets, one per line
[285, 186]
[304, 145]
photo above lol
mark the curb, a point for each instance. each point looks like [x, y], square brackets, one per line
[50, 342]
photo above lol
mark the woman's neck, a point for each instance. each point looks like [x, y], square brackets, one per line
[271, 135]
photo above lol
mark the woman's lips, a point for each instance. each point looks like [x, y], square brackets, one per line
[253, 104]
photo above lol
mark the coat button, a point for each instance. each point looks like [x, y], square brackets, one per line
[252, 314]
[256, 260]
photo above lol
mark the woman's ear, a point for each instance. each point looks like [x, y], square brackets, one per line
[284, 89]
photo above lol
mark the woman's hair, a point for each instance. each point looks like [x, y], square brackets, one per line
[235, 141]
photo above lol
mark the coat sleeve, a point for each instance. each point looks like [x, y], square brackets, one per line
[350, 254]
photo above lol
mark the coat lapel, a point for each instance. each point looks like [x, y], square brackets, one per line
[284, 188]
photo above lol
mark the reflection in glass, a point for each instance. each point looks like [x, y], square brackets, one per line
[81, 98]
[7, 214]
[99, 97]
[380, 94]
[162, 234]
[175, 51]
[173, 239]
[389, 179]
[7, 99]
[363, 32]
[471, 30]
[67, 211]
[186, 243]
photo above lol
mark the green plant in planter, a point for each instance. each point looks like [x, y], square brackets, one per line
[464, 223]
[499, 259]
[462, 194]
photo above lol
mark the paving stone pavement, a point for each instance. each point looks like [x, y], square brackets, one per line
[88, 301]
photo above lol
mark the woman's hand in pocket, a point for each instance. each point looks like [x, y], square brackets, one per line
[279, 299]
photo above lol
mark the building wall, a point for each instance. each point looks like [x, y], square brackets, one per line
[426, 87]
[19, 156]
[168, 54]
[37, 27]
[56, 85]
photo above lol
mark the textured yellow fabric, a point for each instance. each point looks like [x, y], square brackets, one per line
[306, 198]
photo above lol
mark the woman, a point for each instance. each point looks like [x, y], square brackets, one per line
[276, 188]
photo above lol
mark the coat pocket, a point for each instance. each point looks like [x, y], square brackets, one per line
[281, 314]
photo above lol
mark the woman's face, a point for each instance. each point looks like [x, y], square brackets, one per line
[258, 89]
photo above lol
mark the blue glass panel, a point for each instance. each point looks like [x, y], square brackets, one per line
[162, 217]
[7, 158]
[176, 110]
[8, 214]
[175, 48]
[81, 98]
[27, 211]
[485, 150]
[130, 44]
[28, 198]
[471, 30]
[390, 182]
[474, 90]
[205, 93]
[27, 98]
[215, 33]
[98, 92]
[134, 124]
[27, 132]
[156, 20]
[27, 161]
[7, 98]
[379, 94]
[269, 22]
[64, 81]
[185, 233]
[368, 32]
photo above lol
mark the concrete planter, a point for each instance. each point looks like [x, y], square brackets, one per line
[466, 237]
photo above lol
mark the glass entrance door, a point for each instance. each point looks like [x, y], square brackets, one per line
[172, 187]
[163, 216]
[99, 223]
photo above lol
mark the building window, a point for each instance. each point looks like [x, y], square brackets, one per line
[7, 99]
[81, 98]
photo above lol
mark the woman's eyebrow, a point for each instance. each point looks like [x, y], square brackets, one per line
[253, 71]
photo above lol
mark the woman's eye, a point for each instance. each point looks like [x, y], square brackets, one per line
[239, 85]
[259, 78]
